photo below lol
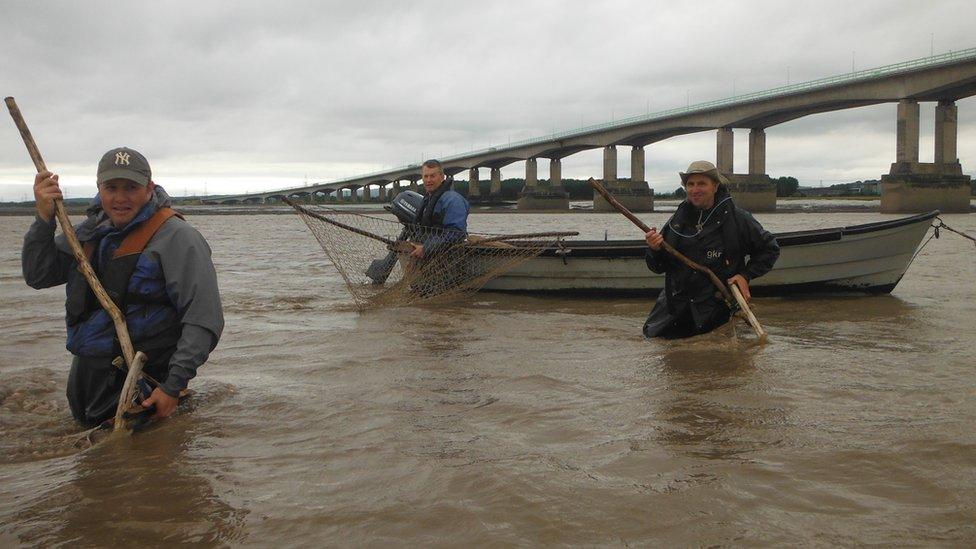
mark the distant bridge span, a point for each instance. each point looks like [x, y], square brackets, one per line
[943, 78]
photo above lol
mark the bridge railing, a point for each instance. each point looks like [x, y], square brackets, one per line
[846, 78]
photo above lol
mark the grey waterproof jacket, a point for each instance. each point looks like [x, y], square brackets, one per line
[176, 263]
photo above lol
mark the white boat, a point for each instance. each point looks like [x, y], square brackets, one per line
[868, 258]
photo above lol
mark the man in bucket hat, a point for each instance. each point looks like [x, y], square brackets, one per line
[710, 230]
[155, 267]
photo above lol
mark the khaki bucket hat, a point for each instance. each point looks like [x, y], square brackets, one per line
[703, 167]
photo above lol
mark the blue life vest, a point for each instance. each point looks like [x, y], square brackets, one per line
[135, 283]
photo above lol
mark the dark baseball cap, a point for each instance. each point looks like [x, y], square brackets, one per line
[124, 163]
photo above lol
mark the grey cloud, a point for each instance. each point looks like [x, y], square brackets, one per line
[250, 87]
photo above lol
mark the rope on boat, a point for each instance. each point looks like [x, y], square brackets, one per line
[942, 225]
[935, 234]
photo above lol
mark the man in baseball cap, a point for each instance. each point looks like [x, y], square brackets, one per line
[124, 185]
[154, 265]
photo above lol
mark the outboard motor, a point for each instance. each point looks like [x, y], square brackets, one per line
[405, 206]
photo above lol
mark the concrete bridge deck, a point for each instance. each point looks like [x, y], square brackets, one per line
[943, 79]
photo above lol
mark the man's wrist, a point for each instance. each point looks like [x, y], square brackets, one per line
[172, 388]
[48, 222]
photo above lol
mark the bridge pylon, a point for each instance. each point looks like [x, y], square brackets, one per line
[633, 193]
[753, 191]
[543, 195]
[913, 186]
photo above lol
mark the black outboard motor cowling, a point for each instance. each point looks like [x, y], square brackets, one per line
[406, 206]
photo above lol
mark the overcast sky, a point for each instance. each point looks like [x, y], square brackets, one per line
[241, 96]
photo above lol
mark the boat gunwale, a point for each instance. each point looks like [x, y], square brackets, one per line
[785, 239]
[632, 250]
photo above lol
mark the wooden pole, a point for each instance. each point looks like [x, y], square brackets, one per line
[392, 244]
[667, 247]
[129, 389]
[525, 236]
[738, 298]
[399, 245]
[751, 318]
[69, 232]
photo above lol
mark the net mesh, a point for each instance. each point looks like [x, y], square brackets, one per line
[372, 254]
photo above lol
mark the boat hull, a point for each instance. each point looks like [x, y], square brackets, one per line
[869, 258]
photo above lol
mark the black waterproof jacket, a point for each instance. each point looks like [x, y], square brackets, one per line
[730, 241]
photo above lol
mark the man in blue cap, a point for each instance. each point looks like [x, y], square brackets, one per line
[155, 267]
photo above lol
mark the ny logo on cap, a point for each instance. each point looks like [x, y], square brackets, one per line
[121, 158]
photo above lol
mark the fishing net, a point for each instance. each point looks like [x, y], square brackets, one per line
[372, 254]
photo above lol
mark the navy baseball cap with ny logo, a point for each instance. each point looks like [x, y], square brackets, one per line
[124, 163]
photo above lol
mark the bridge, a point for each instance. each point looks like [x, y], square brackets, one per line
[907, 187]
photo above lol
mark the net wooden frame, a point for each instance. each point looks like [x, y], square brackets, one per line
[372, 255]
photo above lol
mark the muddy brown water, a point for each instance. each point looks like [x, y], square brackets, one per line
[510, 420]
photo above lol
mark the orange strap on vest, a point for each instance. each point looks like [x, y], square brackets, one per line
[137, 240]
